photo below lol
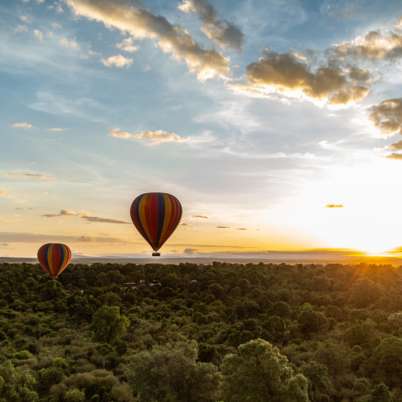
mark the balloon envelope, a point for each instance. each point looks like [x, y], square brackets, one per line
[54, 258]
[156, 216]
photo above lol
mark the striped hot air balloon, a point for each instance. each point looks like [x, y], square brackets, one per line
[54, 258]
[156, 216]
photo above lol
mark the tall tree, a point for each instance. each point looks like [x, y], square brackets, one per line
[173, 374]
[258, 372]
[109, 324]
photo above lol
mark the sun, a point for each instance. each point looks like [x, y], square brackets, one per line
[368, 221]
[369, 242]
[375, 252]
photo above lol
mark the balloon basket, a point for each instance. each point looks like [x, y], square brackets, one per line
[156, 254]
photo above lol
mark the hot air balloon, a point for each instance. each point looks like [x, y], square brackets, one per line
[156, 216]
[54, 258]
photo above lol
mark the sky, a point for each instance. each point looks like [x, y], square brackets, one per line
[276, 123]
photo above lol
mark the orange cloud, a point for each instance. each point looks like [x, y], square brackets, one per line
[334, 206]
[289, 74]
[118, 61]
[153, 137]
[395, 156]
[127, 17]
[387, 116]
[375, 45]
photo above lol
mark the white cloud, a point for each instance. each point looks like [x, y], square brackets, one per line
[86, 108]
[272, 155]
[158, 137]
[23, 125]
[56, 129]
[57, 6]
[142, 24]
[153, 137]
[38, 34]
[26, 19]
[21, 28]
[28, 175]
[69, 43]
[127, 45]
[118, 61]
[56, 25]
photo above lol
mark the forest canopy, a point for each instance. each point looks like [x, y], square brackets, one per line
[194, 333]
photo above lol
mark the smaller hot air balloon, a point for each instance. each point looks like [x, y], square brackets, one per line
[54, 258]
[156, 216]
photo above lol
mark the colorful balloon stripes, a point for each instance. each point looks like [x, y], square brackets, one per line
[156, 216]
[54, 258]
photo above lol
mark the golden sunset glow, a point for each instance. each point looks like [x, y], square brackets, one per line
[267, 147]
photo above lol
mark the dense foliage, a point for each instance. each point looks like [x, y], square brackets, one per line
[191, 333]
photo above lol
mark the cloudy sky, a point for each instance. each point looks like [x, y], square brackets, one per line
[277, 123]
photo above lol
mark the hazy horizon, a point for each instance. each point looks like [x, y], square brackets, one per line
[322, 256]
